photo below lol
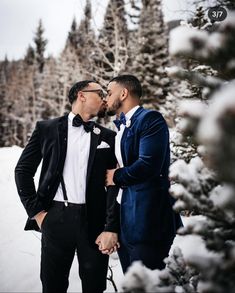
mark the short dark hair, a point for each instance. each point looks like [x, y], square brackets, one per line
[78, 86]
[131, 83]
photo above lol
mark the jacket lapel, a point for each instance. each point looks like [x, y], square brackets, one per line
[136, 114]
[93, 145]
[62, 140]
[124, 135]
[123, 139]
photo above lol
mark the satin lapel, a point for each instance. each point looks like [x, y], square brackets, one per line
[137, 112]
[123, 139]
[124, 135]
[93, 145]
[62, 140]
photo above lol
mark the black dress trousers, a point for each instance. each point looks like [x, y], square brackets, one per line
[64, 232]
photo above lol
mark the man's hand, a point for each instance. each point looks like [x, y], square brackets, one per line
[109, 177]
[39, 218]
[107, 242]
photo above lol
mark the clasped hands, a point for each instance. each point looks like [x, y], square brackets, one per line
[109, 177]
[107, 242]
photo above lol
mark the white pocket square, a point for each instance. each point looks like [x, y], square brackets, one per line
[103, 145]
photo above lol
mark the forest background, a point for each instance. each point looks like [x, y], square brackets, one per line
[187, 70]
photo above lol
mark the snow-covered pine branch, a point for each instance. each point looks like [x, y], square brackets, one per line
[214, 49]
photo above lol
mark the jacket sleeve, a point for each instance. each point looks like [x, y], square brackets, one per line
[112, 206]
[153, 145]
[25, 171]
[112, 210]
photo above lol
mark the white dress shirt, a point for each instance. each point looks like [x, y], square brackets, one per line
[75, 166]
[118, 138]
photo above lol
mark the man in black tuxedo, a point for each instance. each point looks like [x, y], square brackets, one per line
[71, 206]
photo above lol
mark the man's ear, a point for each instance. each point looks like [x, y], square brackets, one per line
[124, 94]
[81, 97]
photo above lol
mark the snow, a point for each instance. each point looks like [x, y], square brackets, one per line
[231, 64]
[229, 22]
[20, 250]
[175, 136]
[142, 279]
[171, 71]
[182, 41]
[192, 108]
[215, 41]
[222, 103]
[186, 40]
[201, 68]
[187, 173]
[223, 197]
[193, 247]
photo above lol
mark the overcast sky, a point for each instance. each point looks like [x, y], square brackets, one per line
[19, 19]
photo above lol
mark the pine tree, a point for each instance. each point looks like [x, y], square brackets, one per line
[72, 36]
[151, 56]
[205, 184]
[46, 101]
[199, 19]
[4, 75]
[133, 12]
[16, 119]
[40, 43]
[230, 4]
[81, 41]
[68, 71]
[30, 56]
[111, 51]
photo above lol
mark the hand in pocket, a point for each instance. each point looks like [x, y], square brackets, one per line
[40, 218]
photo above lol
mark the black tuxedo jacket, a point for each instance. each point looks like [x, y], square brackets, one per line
[49, 144]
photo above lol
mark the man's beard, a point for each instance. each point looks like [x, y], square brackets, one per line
[102, 111]
[113, 109]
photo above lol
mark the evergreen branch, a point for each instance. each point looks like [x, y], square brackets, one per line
[203, 81]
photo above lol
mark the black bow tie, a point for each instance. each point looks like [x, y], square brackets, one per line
[78, 121]
[121, 120]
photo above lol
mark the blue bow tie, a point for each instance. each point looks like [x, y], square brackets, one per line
[121, 120]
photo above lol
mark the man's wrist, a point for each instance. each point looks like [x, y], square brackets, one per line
[38, 214]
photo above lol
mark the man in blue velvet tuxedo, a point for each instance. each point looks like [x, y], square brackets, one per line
[148, 222]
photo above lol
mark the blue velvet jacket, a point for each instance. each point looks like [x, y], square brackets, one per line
[146, 207]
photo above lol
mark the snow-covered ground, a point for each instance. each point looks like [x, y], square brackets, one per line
[20, 250]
